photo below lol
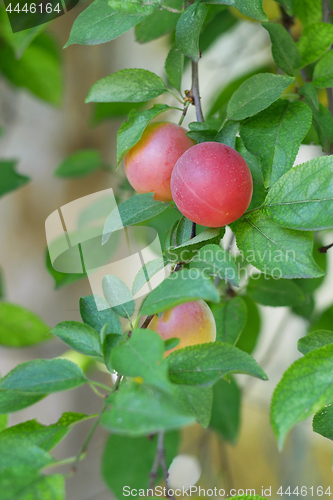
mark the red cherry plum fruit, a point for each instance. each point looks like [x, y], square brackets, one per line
[191, 322]
[149, 164]
[211, 184]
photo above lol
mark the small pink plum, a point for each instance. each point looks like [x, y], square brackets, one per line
[211, 184]
[191, 322]
[149, 164]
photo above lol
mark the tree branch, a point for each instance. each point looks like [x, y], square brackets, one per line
[324, 249]
[160, 460]
[195, 92]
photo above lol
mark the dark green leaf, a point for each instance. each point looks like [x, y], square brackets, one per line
[315, 40]
[20, 327]
[285, 52]
[303, 198]
[174, 65]
[323, 422]
[3, 422]
[225, 417]
[142, 356]
[219, 2]
[251, 160]
[139, 409]
[305, 388]
[251, 8]
[215, 261]
[159, 23]
[18, 41]
[91, 315]
[190, 248]
[135, 6]
[216, 27]
[131, 131]
[204, 364]
[62, 279]
[183, 231]
[38, 70]
[288, 6]
[309, 286]
[230, 319]
[323, 123]
[308, 11]
[315, 340]
[188, 30]
[325, 320]
[178, 288]
[118, 296]
[113, 110]
[82, 338]
[310, 94]
[268, 136]
[31, 381]
[124, 468]
[305, 309]
[99, 23]
[323, 72]
[80, 163]
[255, 94]
[9, 178]
[127, 85]
[136, 209]
[250, 333]
[274, 292]
[275, 250]
[111, 341]
[227, 134]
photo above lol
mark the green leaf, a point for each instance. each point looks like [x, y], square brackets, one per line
[9, 178]
[323, 72]
[159, 23]
[255, 94]
[135, 6]
[124, 468]
[275, 250]
[310, 94]
[20, 327]
[323, 123]
[183, 230]
[315, 40]
[99, 23]
[225, 417]
[82, 338]
[139, 409]
[285, 52]
[288, 5]
[303, 198]
[31, 381]
[250, 333]
[201, 132]
[111, 341]
[305, 309]
[136, 209]
[18, 41]
[80, 163]
[314, 340]
[24, 483]
[325, 320]
[268, 136]
[305, 388]
[251, 8]
[131, 131]
[38, 70]
[178, 288]
[323, 422]
[251, 160]
[3, 422]
[215, 28]
[215, 261]
[127, 85]
[62, 279]
[142, 356]
[308, 11]
[196, 401]
[204, 364]
[274, 292]
[230, 319]
[174, 65]
[188, 30]
[96, 318]
[118, 296]
[146, 273]
[113, 110]
[219, 2]
[190, 248]
[227, 134]
[18, 441]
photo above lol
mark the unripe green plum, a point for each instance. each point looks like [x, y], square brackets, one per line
[191, 322]
[149, 164]
[211, 184]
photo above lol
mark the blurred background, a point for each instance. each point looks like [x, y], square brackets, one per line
[40, 135]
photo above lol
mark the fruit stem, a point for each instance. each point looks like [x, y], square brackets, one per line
[195, 91]
[160, 460]
[186, 105]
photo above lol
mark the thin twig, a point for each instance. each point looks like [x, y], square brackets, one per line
[195, 92]
[147, 321]
[160, 460]
[186, 106]
[193, 230]
[324, 249]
